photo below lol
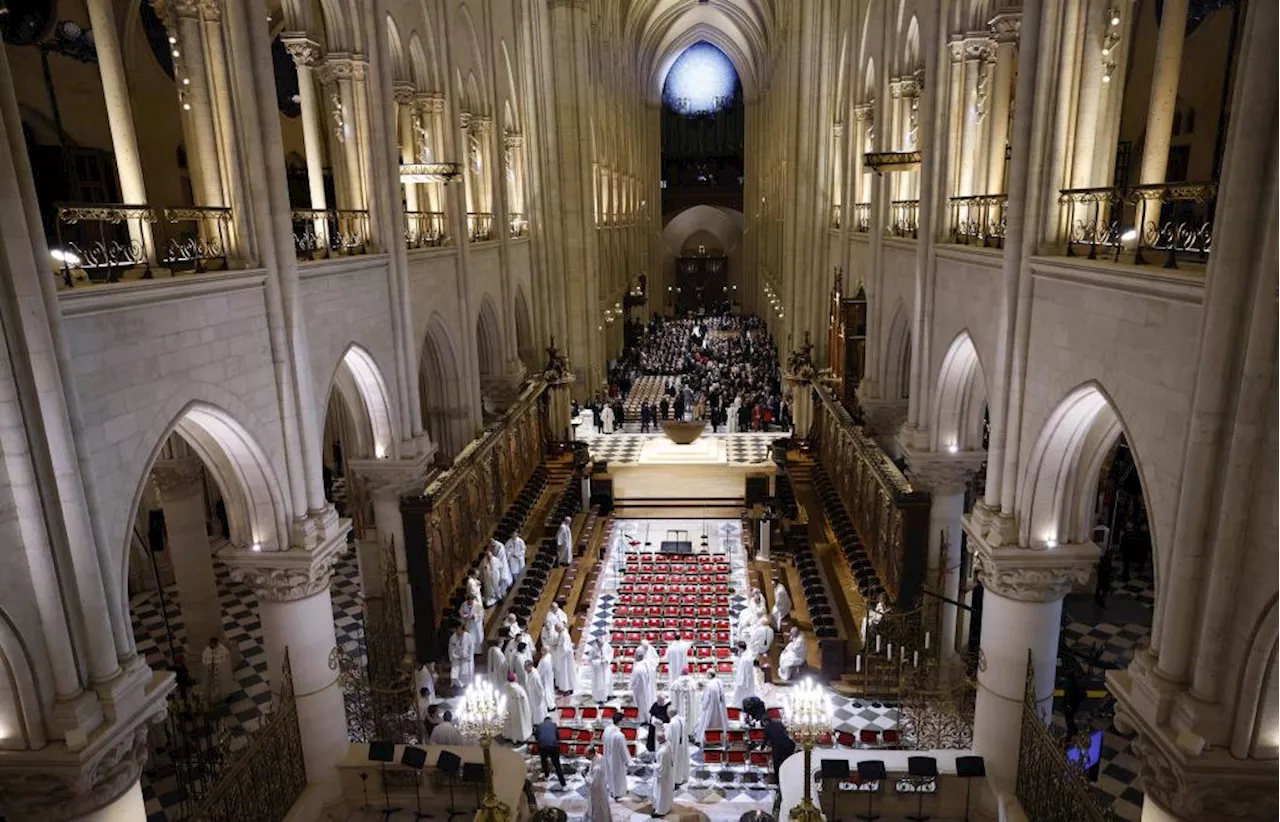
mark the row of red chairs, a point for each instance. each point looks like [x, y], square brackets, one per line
[671, 625]
[634, 635]
[702, 589]
[675, 560]
[697, 667]
[589, 713]
[718, 739]
[717, 605]
[669, 611]
[571, 750]
[736, 757]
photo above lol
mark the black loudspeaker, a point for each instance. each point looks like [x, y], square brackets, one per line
[382, 751]
[414, 757]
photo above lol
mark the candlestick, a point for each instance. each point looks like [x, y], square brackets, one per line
[903, 656]
[877, 643]
[888, 652]
[926, 640]
[857, 664]
[915, 659]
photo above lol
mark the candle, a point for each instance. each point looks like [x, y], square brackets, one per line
[877, 643]
[903, 656]
[857, 664]
[926, 640]
[888, 652]
[915, 659]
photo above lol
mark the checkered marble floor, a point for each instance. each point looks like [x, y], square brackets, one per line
[245, 706]
[1112, 635]
[624, 448]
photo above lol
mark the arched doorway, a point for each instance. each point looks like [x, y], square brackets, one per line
[445, 414]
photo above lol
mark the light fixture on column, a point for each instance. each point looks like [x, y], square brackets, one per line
[482, 714]
[807, 715]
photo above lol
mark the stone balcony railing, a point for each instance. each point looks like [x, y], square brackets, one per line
[425, 229]
[979, 220]
[322, 233]
[1143, 224]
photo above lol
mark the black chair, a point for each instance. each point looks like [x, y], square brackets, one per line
[968, 768]
[871, 773]
[921, 771]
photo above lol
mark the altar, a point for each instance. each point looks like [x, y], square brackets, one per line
[712, 469]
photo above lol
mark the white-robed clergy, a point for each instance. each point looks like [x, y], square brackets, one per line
[519, 724]
[472, 614]
[744, 676]
[793, 656]
[607, 417]
[616, 757]
[598, 809]
[676, 657]
[462, 658]
[488, 579]
[562, 659]
[446, 733]
[600, 655]
[556, 616]
[564, 542]
[664, 777]
[547, 671]
[501, 566]
[748, 618]
[686, 700]
[713, 714]
[516, 553]
[533, 688]
[497, 663]
[643, 688]
[218, 677]
[678, 741]
[781, 605]
[760, 637]
[425, 677]
[474, 588]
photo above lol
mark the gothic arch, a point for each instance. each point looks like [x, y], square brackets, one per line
[896, 368]
[477, 92]
[958, 398]
[21, 709]
[524, 331]
[510, 91]
[1253, 734]
[440, 386]
[488, 339]
[1057, 491]
[358, 381]
[395, 45]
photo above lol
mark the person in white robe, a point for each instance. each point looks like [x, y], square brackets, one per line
[600, 655]
[748, 617]
[607, 416]
[501, 566]
[664, 777]
[678, 741]
[793, 656]
[547, 671]
[714, 714]
[462, 658]
[781, 605]
[474, 588]
[488, 579]
[219, 680]
[473, 620]
[598, 809]
[496, 664]
[425, 677]
[557, 616]
[676, 658]
[757, 602]
[616, 757]
[519, 724]
[760, 637]
[686, 700]
[446, 733]
[562, 658]
[564, 542]
[643, 688]
[744, 676]
[533, 689]
[516, 554]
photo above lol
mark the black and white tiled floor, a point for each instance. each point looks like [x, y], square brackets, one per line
[1111, 635]
[743, 449]
[245, 706]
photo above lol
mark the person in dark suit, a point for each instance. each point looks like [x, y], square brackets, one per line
[661, 711]
[782, 746]
[548, 738]
[665, 408]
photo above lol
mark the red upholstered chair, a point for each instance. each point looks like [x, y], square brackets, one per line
[868, 737]
[890, 737]
[760, 757]
[737, 737]
[714, 737]
[565, 749]
[757, 735]
[713, 757]
[568, 713]
[629, 733]
[845, 739]
[608, 711]
[565, 734]
[584, 735]
[725, 667]
[774, 713]
[737, 757]
[722, 653]
[631, 712]
[735, 714]
[825, 740]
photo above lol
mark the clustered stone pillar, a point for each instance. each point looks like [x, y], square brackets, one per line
[404, 96]
[296, 610]
[306, 54]
[182, 18]
[1164, 91]
[179, 483]
[1000, 97]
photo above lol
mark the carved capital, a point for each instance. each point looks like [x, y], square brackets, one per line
[1006, 28]
[336, 67]
[837, 130]
[430, 102]
[464, 120]
[1199, 788]
[212, 9]
[284, 576]
[396, 476]
[177, 478]
[580, 5]
[171, 11]
[359, 68]
[956, 48]
[305, 52]
[513, 139]
[403, 93]
[480, 125]
[978, 47]
[1031, 575]
[883, 417]
[864, 112]
[943, 473]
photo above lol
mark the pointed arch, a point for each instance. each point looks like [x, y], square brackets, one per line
[510, 95]
[21, 707]
[422, 70]
[488, 339]
[910, 55]
[959, 398]
[358, 381]
[525, 345]
[479, 66]
[1057, 490]
[1253, 734]
[896, 368]
[399, 66]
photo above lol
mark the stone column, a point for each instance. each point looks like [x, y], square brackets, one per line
[178, 481]
[864, 119]
[182, 18]
[945, 477]
[1004, 30]
[115, 92]
[404, 96]
[296, 610]
[1021, 612]
[364, 141]
[306, 54]
[1164, 91]
[975, 49]
[429, 109]
[956, 115]
[230, 161]
[338, 71]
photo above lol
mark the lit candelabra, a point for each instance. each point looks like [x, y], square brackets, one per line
[482, 715]
[807, 714]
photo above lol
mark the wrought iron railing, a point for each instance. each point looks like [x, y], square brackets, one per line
[904, 216]
[1050, 787]
[1174, 219]
[837, 214]
[106, 240]
[424, 229]
[517, 225]
[265, 780]
[862, 217]
[479, 226]
[979, 220]
[378, 688]
[320, 233]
